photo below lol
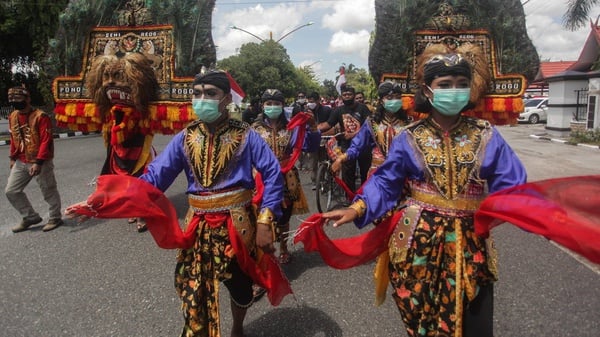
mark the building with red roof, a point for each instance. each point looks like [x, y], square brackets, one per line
[539, 86]
[574, 93]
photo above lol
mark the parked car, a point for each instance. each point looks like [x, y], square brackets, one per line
[535, 110]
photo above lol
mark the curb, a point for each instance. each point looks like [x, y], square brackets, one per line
[60, 136]
[562, 141]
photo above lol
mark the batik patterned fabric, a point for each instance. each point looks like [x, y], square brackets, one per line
[441, 264]
[198, 272]
[444, 259]
[216, 163]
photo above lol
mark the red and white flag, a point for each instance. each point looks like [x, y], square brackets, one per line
[237, 94]
[341, 80]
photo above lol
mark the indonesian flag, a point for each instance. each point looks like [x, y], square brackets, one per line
[237, 94]
[341, 80]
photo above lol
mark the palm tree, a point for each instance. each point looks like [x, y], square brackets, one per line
[577, 13]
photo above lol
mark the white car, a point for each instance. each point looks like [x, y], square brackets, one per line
[535, 110]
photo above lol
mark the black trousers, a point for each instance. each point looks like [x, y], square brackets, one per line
[349, 169]
[478, 315]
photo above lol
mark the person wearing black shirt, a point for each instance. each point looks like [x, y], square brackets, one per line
[251, 112]
[321, 114]
[348, 119]
[300, 103]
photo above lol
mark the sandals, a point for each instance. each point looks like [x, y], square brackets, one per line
[140, 224]
[257, 292]
[284, 258]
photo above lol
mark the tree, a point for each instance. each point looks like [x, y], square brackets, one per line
[328, 88]
[49, 36]
[396, 22]
[361, 80]
[25, 28]
[578, 13]
[260, 66]
[191, 22]
[308, 79]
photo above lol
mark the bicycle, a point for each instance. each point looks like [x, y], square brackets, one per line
[328, 190]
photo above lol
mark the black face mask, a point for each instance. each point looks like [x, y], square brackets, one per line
[19, 105]
[348, 102]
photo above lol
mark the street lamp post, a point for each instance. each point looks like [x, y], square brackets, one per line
[295, 29]
[271, 33]
[247, 32]
[312, 64]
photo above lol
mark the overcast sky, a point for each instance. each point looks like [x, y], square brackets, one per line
[340, 30]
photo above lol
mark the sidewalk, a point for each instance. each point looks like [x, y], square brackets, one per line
[545, 136]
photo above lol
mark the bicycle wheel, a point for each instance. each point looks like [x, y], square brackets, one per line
[324, 189]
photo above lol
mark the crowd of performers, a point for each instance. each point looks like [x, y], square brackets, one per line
[427, 181]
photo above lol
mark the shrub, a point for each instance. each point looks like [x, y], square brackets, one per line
[586, 137]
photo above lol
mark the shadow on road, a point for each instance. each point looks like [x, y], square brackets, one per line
[301, 321]
[301, 262]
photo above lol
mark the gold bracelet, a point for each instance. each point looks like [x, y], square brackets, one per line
[359, 206]
[343, 157]
[266, 217]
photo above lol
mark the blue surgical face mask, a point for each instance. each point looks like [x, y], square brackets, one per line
[392, 105]
[273, 111]
[207, 110]
[449, 102]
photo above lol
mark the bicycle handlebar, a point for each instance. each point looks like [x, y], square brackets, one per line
[332, 136]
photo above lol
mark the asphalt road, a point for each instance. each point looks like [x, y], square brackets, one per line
[102, 278]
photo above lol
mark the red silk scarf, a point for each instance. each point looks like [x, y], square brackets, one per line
[119, 196]
[564, 210]
[349, 252]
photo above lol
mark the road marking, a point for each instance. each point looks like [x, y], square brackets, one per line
[592, 266]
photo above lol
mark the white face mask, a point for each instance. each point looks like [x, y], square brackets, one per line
[311, 106]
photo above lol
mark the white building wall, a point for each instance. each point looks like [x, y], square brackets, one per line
[594, 86]
[562, 93]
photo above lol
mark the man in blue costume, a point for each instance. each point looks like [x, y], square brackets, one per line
[223, 239]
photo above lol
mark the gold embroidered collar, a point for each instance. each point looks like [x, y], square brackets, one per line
[211, 153]
[450, 158]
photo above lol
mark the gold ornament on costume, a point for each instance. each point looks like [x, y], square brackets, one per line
[451, 159]
[278, 139]
[210, 154]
